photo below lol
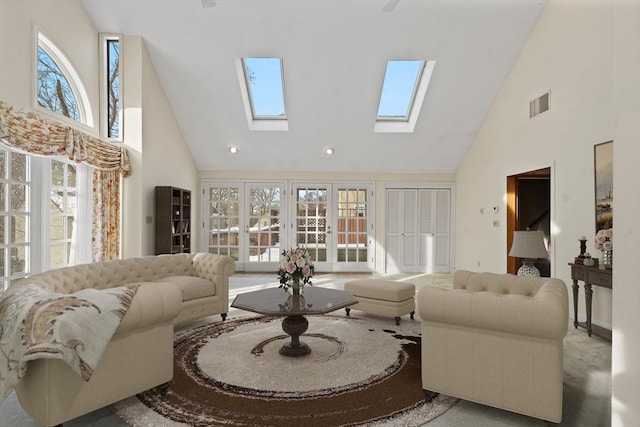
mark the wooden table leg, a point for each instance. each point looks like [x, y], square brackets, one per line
[295, 326]
[588, 296]
[575, 304]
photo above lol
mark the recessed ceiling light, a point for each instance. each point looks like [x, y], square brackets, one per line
[329, 151]
[233, 149]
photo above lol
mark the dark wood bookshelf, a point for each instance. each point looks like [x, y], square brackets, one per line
[173, 220]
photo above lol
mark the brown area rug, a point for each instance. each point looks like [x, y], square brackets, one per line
[361, 371]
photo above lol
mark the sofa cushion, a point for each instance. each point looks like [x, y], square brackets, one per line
[192, 287]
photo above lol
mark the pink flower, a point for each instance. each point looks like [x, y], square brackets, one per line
[291, 267]
[306, 271]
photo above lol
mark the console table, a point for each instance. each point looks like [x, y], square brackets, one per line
[590, 276]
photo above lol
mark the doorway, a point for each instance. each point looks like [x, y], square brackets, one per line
[529, 207]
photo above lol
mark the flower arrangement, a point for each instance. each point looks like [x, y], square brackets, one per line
[604, 239]
[295, 265]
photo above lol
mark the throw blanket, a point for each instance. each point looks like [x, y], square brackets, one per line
[37, 323]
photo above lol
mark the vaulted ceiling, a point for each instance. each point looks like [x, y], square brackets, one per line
[334, 55]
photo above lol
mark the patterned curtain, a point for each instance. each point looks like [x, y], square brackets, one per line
[105, 233]
[28, 132]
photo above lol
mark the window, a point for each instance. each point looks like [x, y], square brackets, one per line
[54, 91]
[403, 91]
[111, 93]
[63, 209]
[43, 203]
[262, 88]
[15, 216]
[59, 88]
[399, 89]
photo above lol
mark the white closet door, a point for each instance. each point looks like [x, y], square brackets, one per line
[418, 224]
[394, 231]
[442, 231]
[425, 213]
[410, 230]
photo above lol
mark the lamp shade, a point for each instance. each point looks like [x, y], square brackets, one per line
[528, 244]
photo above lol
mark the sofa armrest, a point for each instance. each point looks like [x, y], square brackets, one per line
[152, 305]
[544, 315]
[217, 269]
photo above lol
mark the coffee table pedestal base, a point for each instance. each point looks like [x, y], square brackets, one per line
[295, 326]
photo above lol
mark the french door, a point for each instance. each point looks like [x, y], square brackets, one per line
[244, 221]
[254, 222]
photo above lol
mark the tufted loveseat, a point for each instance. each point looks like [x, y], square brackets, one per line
[172, 290]
[496, 339]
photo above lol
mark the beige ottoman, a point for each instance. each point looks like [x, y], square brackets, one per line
[382, 297]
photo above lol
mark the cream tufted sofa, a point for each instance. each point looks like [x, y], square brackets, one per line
[173, 290]
[496, 339]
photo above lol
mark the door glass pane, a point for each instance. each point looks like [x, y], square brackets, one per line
[3, 166]
[57, 173]
[69, 228]
[57, 228]
[19, 224]
[57, 255]
[18, 197]
[311, 221]
[63, 211]
[352, 225]
[3, 196]
[18, 167]
[264, 223]
[18, 260]
[224, 221]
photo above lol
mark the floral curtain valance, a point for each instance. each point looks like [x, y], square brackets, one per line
[28, 132]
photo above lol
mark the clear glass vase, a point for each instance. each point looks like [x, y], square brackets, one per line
[296, 286]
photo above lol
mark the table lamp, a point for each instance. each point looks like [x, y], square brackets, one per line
[528, 245]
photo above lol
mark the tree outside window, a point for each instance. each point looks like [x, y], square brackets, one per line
[54, 90]
[113, 88]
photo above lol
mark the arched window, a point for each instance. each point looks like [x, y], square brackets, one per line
[58, 85]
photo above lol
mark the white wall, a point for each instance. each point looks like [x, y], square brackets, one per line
[565, 56]
[588, 54]
[158, 152]
[626, 158]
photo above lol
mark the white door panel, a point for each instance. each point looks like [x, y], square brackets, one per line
[418, 230]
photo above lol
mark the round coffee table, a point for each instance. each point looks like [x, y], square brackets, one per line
[294, 308]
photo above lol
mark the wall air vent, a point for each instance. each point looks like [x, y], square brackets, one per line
[539, 105]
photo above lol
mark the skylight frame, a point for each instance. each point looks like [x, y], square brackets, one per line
[412, 98]
[408, 126]
[258, 124]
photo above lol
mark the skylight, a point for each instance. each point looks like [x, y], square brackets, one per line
[263, 77]
[399, 89]
[403, 91]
